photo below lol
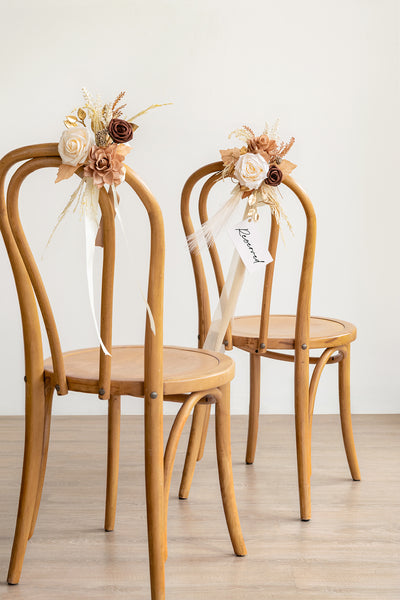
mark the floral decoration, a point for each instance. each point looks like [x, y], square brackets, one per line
[105, 164]
[96, 138]
[259, 167]
[120, 131]
[98, 145]
[75, 144]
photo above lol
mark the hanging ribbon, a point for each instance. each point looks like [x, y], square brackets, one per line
[227, 302]
[117, 212]
[90, 208]
[205, 236]
[86, 196]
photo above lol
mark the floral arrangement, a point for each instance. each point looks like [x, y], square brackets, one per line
[101, 146]
[96, 138]
[258, 167]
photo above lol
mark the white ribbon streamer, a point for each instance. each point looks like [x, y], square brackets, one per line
[205, 236]
[226, 305]
[117, 212]
[207, 233]
[90, 207]
[86, 196]
[227, 302]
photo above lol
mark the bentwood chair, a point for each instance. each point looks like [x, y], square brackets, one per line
[272, 336]
[186, 376]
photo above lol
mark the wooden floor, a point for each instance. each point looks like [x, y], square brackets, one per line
[350, 549]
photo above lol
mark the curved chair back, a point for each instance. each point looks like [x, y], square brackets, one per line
[214, 170]
[30, 287]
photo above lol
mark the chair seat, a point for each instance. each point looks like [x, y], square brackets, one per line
[185, 370]
[324, 333]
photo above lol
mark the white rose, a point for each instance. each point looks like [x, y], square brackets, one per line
[74, 145]
[251, 170]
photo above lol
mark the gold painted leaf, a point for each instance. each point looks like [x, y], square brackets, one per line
[70, 121]
[81, 114]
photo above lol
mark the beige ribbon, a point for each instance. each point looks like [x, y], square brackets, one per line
[91, 214]
[227, 302]
[87, 197]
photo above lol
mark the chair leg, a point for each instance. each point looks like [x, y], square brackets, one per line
[254, 408]
[223, 442]
[34, 427]
[206, 420]
[114, 421]
[171, 448]
[303, 437]
[345, 415]
[154, 472]
[49, 391]
[192, 452]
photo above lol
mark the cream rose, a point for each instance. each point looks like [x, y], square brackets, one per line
[74, 145]
[251, 170]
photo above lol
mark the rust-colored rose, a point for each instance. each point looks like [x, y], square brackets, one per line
[262, 142]
[120, 131]
[106, 164]
[252, 146]
[274, 176]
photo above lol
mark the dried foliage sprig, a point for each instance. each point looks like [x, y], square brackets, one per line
[243, 133]
[101, 114]
[117, 101]
[142, 112]
[274, 130]
[284, 148]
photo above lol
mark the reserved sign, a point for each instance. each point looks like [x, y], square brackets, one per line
[251, 244]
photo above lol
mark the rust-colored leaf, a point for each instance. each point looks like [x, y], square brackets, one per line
[287, 167]
[65, 172]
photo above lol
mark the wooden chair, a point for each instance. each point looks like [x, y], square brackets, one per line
[268, 335]
[188, 376]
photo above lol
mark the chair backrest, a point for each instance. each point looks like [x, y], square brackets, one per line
[30, 286]
[213, 173]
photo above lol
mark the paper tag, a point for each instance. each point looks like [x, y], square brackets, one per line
[251, 243]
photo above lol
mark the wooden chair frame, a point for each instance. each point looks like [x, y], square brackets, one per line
[305, 390]
[40, 387]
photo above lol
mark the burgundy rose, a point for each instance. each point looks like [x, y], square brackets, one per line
[274, 176]
[120, 131]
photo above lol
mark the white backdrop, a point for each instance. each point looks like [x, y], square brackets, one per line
[329, 70]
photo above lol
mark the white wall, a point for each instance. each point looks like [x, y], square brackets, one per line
[330, 70]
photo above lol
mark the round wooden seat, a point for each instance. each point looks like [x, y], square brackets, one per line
[184, 369]
[324, 332]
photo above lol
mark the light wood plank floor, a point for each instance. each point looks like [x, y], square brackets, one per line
[350, 549]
